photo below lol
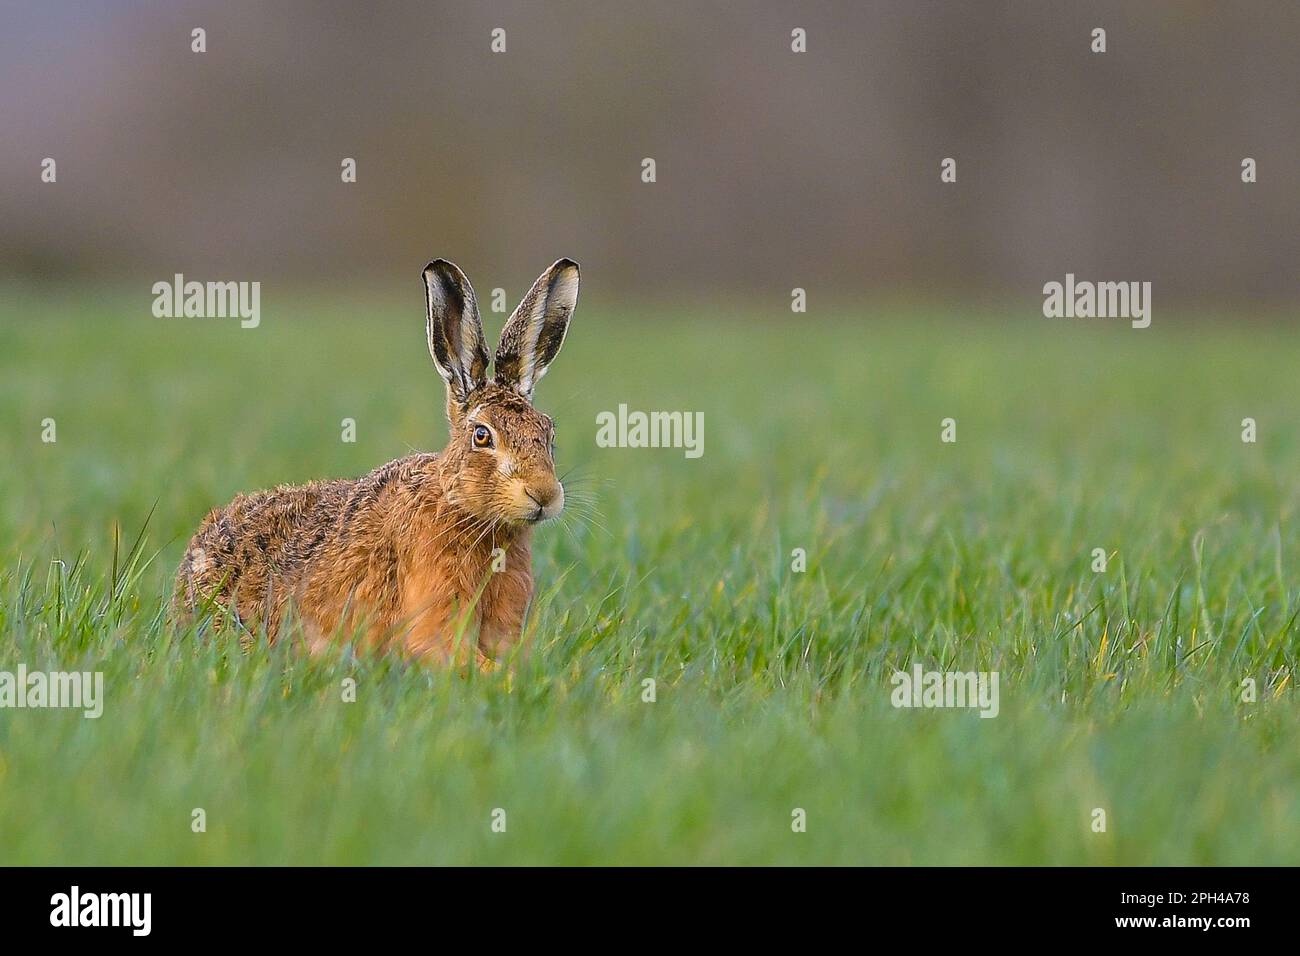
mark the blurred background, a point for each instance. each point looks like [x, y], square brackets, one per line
[775, 169]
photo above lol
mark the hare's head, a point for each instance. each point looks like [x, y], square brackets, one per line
[500, 459]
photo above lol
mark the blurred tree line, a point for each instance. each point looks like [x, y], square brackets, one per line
[773, 168]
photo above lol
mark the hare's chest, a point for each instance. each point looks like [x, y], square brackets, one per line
[442, 579]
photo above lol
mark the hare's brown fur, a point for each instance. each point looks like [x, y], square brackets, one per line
[407, 556]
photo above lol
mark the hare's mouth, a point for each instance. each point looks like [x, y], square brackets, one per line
[545, 508]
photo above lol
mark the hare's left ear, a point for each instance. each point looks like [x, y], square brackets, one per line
[534, 333]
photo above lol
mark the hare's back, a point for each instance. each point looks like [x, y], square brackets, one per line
[269, 542]
[285, 520]
[278, 528]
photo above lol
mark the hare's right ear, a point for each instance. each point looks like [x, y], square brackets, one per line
[455, 333]
[535, 331]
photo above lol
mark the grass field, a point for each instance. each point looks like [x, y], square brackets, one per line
[1120, 690]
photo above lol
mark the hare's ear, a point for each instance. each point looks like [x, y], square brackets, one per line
[534, 333]
[455, 331]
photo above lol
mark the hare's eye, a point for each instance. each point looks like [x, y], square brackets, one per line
[482, 437]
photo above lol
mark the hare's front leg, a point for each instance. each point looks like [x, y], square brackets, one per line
[436, 630]
[504, 603]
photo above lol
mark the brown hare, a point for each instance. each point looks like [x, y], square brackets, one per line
[407, 556]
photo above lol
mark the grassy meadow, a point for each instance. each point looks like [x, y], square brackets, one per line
[1119, 690]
